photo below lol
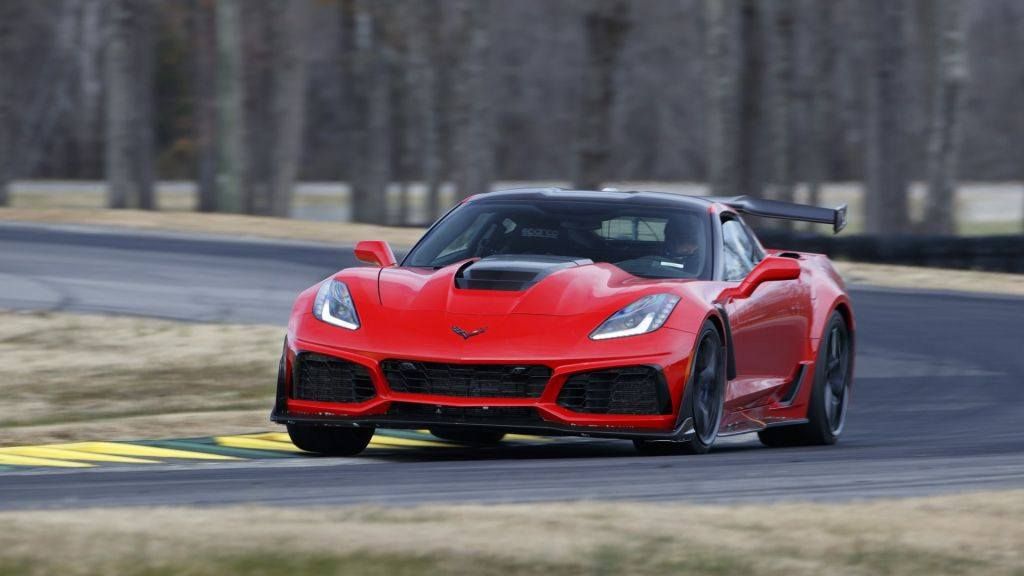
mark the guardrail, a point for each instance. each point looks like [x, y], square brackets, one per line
[993, 253]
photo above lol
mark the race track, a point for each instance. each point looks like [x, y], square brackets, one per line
[938, 405]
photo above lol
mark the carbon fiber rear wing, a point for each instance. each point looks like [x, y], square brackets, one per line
[786, 210]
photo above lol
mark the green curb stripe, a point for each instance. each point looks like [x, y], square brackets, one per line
[408, 435]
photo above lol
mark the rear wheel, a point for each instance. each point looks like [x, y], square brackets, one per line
[830, 396]
[330, 440]
[703, 401]
[469, 436]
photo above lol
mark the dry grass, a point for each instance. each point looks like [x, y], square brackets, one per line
[968, 534]
[83, 377]
[917, 278]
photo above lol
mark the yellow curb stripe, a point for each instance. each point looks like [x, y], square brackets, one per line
[527, 438]
[140, 450]
[15, 460]
[64, 454]
[395, 442]
[250, 443]
[273, 436]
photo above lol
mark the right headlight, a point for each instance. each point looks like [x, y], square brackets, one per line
[645, 315]
[334, 305]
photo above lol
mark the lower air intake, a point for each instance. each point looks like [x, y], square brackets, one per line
[321, 378]
[627, 390]
[466, 380]
[497, 415]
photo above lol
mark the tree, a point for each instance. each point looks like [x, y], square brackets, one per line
[944, 132]
[8, 17]
[87, 117]
[129, 66]
[291, 21]
[723, 137]
[887, 211]
[605, 24]
[419, 23]
[779, 19]
[372, 122]
[204, 94]
[751, 149]
[819, 17]
[472, 118]
[231, 129]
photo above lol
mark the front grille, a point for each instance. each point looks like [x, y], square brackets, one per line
[627, 390]
[326, 379]
[466, 380]
[498, 415]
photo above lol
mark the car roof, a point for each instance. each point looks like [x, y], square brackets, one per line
[666, 199]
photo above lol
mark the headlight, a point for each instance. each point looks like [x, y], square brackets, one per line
[645, 315]
[334, 305]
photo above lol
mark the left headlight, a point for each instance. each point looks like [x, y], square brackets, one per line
[645, 315]
[334, 305]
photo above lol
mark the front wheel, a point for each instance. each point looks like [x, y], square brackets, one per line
[703, 401]
[830, 396]
[330, 440]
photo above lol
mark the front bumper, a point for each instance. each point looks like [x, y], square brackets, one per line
[392, 409]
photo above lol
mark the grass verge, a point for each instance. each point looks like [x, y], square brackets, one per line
[235, 225]
[83, 377]
[975, 534]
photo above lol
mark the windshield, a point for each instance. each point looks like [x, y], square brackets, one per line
[646, 241]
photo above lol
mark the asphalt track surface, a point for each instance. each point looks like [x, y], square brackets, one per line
[938, 401]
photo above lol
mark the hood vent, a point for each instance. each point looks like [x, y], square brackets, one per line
[512, 272]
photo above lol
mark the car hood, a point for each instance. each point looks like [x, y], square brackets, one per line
[571, 288]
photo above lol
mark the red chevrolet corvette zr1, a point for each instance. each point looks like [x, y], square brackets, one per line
[646, 316]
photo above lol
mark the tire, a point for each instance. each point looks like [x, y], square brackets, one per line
[330, 440]
[830, 394]
[469, 436]
[703, 400]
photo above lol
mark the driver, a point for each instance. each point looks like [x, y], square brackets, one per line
[683, 242]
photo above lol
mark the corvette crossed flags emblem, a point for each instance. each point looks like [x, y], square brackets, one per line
[467, 335]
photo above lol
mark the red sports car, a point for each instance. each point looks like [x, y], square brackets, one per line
[646, 316]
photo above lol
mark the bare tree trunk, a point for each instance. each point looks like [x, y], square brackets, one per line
[289, 104]
[607, 22]
[372, 137]
[751, 163]
[472, 122]
[260, 39]
[723, 137]
[887, 211]
[87, 118]
[204, 93]
[819, 81]
[231, 120]
[780, 22]
[129, 105]
[944, 137]
[8, 17]
[421, 87]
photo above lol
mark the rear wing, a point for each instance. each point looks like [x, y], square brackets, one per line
[786, 210]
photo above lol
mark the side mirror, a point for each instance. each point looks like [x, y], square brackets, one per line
[376, 252]
[771, 269]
